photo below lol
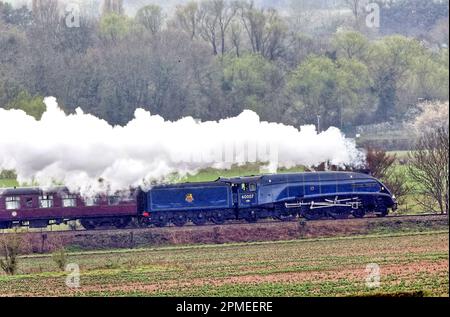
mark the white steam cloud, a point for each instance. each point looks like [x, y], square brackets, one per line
[79, 149]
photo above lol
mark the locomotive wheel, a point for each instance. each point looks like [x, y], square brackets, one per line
[286, 218]
[283, 214]
[381, 210]
[359, 213]
[179, 219]
[160, 221]
[218, 218]
[121, 223]
[199, 219]
[382, 213]
[251, 217]
[5, 225]
[88, 224]
[339, 215]
[311, 215]
[143, 222]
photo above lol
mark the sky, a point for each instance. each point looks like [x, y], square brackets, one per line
[132, 5]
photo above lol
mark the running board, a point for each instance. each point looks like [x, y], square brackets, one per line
[328, 203]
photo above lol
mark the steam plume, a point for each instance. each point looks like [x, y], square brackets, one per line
[79, 149]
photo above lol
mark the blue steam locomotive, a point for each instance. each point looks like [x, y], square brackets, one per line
[281, 196]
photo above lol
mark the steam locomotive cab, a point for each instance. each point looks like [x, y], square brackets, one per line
[247, 195]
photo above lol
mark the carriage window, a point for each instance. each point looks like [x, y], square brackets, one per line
[29, 202]
[113, 200]
[46, 201]
[12, 202]
[69, 200]
[253, 187]
[92, 201]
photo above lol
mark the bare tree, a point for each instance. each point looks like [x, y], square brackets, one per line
[236, 37]
[356, 7]
[209, 24]
[9, 248]
[225, 11]
[188, 18]
[151, 18]
[113, 6]
[429, 169]
[46, 13]
[378, 162]
[216, 16]
[265, 29]
[396, 181]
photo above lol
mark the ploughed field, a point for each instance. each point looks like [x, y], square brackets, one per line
[411, 263]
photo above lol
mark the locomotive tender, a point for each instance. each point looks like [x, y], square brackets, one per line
[282, 196]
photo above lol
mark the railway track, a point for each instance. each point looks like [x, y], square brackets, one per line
[235, 223]
[43, 242]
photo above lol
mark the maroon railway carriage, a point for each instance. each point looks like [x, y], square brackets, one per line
[38, 208]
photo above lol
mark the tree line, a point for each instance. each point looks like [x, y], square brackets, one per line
[214, 58]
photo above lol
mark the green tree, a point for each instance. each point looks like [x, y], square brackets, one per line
[353, 96]
[252, 82]
[351, 45]
[337, 91]
[32, 105]
[428, 80]
[312, 89]
[114, 27]
[390, 62]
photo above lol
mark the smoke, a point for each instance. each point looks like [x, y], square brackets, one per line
[80, 149]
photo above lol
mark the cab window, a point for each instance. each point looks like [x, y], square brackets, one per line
[246, 187]
[12, 202]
